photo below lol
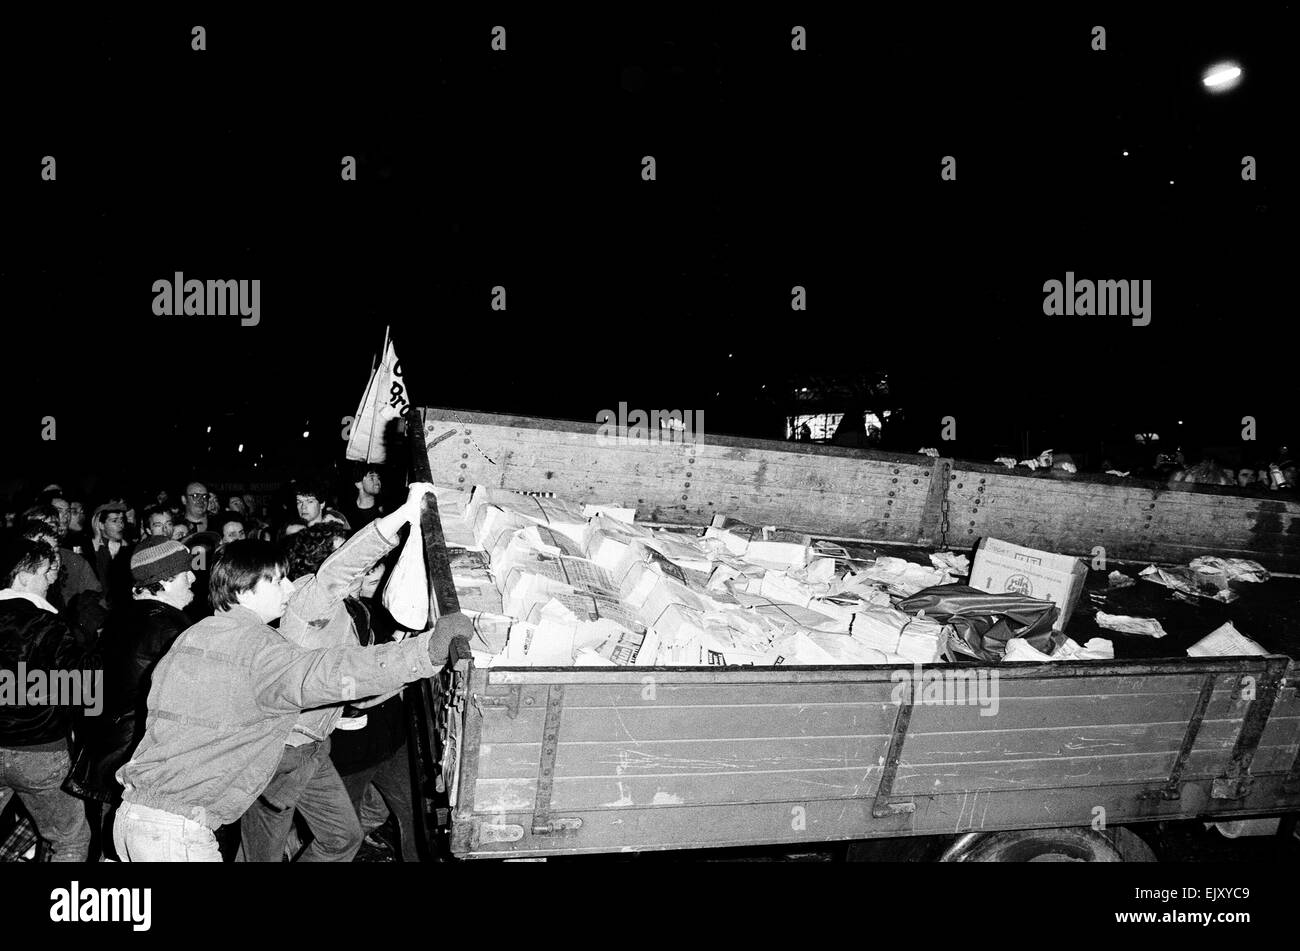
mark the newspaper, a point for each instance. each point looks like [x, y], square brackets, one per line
[1225, 641]
[1130, 625]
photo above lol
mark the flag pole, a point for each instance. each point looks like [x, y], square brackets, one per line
[375, 412]
[432, 745]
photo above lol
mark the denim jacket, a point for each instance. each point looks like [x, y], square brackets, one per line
[317, 617]
[224, 700]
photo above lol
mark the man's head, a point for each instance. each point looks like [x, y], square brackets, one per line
[1246, 476]
[60, 505]
[29, 566]
[369, 480]
[335, 517]
[370, 583]
[39, 531]
[311, 497]
[46, 514]
[252, 574]
[196, 501]
[76, 515]
[160, 571]
[179, 531]
[231, 527]
[111, 519]
[237, 505]
[308, 548]
[158, 521]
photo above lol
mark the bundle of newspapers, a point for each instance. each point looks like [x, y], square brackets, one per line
[550, 583]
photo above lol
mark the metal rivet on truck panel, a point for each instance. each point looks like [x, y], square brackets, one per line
[464, 465]
[959, 485]
[916, 482]
[464, 455]
[688, 475]
[683, 498]
[528, 701]
[893, 480]
[465, 441]
[461, 479]
[468, 431]
[686, 486]
[891, 495]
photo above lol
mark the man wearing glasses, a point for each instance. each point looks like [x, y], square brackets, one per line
[196, 507]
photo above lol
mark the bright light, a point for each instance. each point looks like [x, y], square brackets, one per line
[209, 429]
[1126, 152]
[1221, 77]
[305, 434]
[241, 447]
[1171, 181]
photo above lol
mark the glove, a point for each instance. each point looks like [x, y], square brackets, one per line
[449, 629]
[459, 651]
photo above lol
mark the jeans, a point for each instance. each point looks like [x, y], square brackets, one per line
[305, 780]
[392, 779]
[144, 834]
[36, 776]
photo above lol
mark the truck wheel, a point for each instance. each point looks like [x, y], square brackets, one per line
[1050, 845]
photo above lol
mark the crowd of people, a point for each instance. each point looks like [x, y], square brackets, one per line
[250, 702]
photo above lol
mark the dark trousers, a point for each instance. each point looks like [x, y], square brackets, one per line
[307, 781]
[392, 778]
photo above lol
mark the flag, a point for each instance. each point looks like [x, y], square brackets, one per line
[385, 400]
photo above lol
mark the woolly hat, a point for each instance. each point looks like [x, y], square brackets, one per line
[157, 559]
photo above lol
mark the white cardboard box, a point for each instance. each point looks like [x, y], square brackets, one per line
[1003, 567]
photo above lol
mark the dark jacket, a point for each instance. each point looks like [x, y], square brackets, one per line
[114, 573]
[41, 642]
[135, 638]
[80, 596]
[351, 751]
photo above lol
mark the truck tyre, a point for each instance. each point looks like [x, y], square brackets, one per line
[1050, 845]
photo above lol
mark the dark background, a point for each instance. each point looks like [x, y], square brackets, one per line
[522, 169]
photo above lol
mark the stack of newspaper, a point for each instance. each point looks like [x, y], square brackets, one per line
[552, 583]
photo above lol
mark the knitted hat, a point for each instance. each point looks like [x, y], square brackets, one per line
[157, 559]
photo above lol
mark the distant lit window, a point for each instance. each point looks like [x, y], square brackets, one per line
[822, 426]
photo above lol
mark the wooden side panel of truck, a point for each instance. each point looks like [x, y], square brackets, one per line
[859, 494]
[561, 761]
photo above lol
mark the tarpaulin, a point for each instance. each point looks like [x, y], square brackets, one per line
[980, 623]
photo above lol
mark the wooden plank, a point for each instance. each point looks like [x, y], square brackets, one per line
[845, 492]
[794, 821]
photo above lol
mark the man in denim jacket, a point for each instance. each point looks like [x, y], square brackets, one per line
[226, 697]
[317, 617]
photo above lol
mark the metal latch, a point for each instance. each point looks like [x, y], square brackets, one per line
[558, 827]
[1233, 787]
[510, 701]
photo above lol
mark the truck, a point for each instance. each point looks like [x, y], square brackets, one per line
[545, 762]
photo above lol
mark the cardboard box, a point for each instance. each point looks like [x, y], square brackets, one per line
[1001, 566]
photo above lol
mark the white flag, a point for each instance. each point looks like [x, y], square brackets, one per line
[384, 400]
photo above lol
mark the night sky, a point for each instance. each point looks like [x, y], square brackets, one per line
[523, 168]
